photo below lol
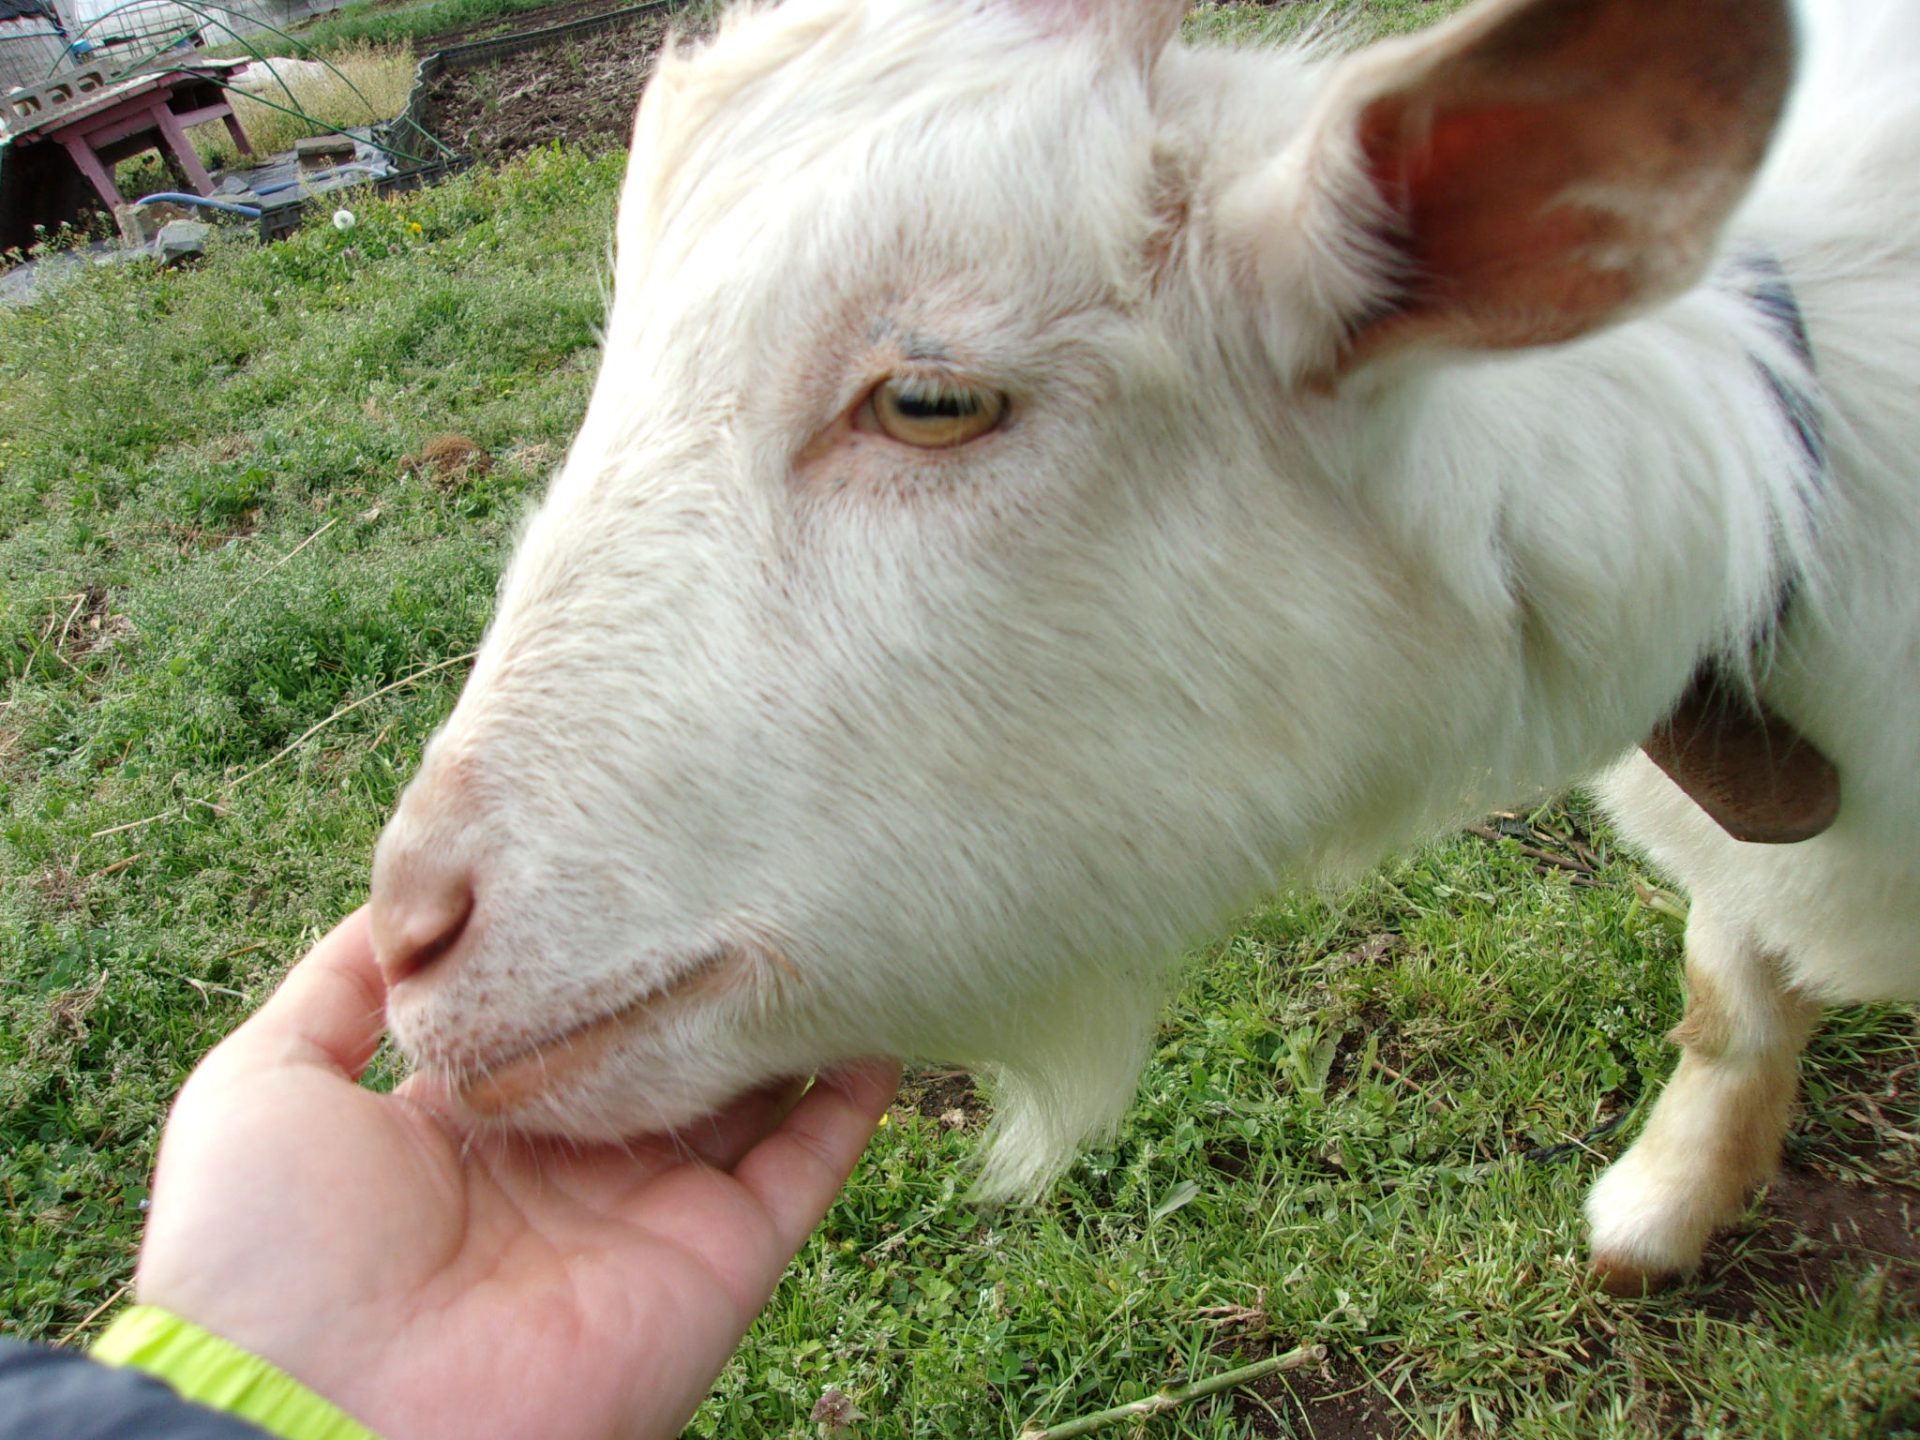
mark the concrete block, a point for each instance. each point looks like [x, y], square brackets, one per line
[181, 240]
[317, 152]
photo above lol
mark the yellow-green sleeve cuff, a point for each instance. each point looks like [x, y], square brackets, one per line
[219, 1374]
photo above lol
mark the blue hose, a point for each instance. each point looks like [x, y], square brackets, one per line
[252, 212]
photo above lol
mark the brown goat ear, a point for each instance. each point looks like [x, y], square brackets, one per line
[1546, 167]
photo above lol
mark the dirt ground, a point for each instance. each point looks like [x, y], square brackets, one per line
[581, 92]
[519, 22]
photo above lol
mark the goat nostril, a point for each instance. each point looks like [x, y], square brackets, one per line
[411, 934]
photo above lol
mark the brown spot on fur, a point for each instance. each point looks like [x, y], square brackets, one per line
[1758, 1108]
[1172, 206]
[1705, 1028]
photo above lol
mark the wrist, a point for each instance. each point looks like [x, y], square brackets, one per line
[215, 1372]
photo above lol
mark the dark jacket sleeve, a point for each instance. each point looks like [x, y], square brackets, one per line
[60, 1395]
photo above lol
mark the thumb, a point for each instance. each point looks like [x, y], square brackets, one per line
[329, 1011]
[797, 1170]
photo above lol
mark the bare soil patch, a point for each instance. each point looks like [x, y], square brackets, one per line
[1816, 1231]
[1847, 1199]
[947, 1096]
[580, 93]
[519, 23]
[1337, 1402]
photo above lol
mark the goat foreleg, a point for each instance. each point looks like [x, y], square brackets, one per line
[1716, 1131]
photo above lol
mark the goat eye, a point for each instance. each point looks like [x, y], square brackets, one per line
[931, 417]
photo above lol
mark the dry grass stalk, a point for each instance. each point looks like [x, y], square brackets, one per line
[371, 85]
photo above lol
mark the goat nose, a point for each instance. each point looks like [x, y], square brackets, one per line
[413, 929]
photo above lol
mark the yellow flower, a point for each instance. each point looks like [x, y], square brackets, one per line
[416, 227]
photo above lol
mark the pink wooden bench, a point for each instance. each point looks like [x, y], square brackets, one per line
[102, 126]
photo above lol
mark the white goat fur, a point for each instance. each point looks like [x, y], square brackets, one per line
[972, 740]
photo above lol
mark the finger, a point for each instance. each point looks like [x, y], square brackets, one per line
[331, 1008]
[628, 1174]
[796, 1171]
[717, 1141]
[611, 1177]
[722, 1140]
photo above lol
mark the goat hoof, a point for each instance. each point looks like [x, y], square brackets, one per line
[1624, 1279]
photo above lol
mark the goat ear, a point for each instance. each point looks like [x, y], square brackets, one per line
[1135, 29]
[1539, 168]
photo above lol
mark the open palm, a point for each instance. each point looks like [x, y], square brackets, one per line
[433, 1284]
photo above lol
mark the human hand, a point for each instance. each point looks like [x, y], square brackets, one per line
[432, 1283]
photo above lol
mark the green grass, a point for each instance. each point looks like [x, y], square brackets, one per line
[1288, 19]
[381, 22]
[1329, 1145]
[166, 440]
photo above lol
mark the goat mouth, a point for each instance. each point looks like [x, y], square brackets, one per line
[546, 1065]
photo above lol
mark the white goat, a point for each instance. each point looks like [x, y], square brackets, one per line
[1048, 486]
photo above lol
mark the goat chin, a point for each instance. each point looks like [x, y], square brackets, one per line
[1047, 486]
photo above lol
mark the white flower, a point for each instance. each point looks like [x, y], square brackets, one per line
[343, 220]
